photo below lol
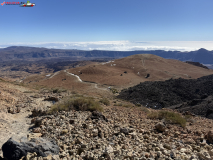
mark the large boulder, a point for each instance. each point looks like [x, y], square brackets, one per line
[13, 150]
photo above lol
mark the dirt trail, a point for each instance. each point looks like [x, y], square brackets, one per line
[14, 125]
[18, 125]
[91, 83]
[54, 74]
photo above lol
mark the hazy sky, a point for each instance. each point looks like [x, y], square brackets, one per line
[118, 21]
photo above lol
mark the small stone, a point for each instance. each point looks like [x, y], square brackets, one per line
[72, 121]
[124, 130]
[167, 146]
[146, 136]
[109, 149]
[160, 127]
[64, 131]
[37, 130]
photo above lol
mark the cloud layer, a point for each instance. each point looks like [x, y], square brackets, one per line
[121, 45]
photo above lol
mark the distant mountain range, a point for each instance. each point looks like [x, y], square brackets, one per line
[24, 53]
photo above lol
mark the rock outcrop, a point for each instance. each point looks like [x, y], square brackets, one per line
[13, 150]
[193, 95]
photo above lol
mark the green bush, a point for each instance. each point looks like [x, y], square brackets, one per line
[170, 117]
[77, 103]
[105, 101]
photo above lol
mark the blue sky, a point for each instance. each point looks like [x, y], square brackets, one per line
[58, 21]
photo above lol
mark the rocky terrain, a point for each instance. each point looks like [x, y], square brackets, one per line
[15, 109]
[125, 133]
[197, 64]
[119, 132]
[160, 94]
[30, 129]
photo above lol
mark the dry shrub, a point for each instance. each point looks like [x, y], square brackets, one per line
[77, 103]
[58, 90]
[105, 101]
[127, 105]
[118, 104]
[144, 109]
[170, 117]
[28, 92]
[114, 91]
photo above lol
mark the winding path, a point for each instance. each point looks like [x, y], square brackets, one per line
[91, 83]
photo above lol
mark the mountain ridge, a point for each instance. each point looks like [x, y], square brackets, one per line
[34, 53]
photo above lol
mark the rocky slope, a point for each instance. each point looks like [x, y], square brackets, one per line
[120, 132]
[117, 133]
[125, 133]
[160, 94]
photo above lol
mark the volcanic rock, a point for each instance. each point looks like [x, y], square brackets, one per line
[160, 127]
[210, 136]
[98, 115]
[13, 150]
[193, 94]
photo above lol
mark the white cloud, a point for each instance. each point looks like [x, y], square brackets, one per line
[121, 45]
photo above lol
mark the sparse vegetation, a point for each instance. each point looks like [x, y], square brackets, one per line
[21, 84]
[105, 101]
[144, 109]
[189, 118]
[28, 92]
[138, 105]
[37, 87]
[118, 104]
[58, 90]
[77, 103]
[127, 105]
[169, 116]
[74, 92]
[2, 80]
[113, 90]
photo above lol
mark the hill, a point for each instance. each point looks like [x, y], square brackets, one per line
[33, 53]
[134, 69]
[120, 73]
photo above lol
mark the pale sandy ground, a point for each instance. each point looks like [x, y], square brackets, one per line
[18, 125]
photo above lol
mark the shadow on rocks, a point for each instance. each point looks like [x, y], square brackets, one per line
[98, 115]
[13, 150]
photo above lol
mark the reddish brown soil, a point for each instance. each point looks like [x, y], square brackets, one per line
[109, 74]
[137, 67]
